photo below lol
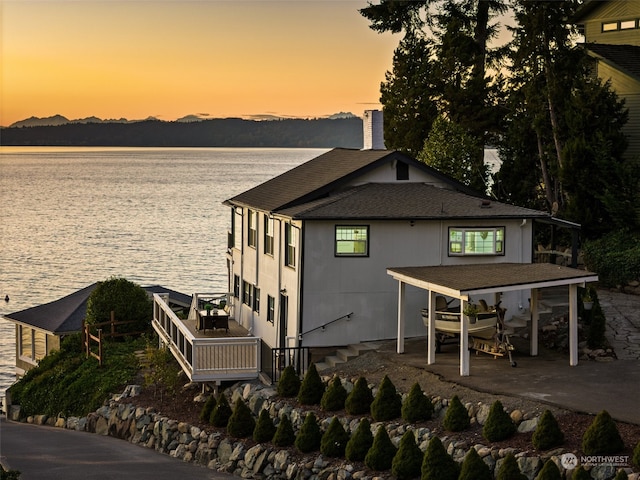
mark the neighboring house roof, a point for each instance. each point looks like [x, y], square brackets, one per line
[324, 174]
[405, 201]
[65, 315]
[623, 57]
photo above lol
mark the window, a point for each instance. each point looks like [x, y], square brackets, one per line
[256, 299]
[627, 24]
[402, 171]
[268, 235]
[26, 342]
[252, 223]
[236, 286]
[291, 240]
[271, 308]
[476, 241]
[609, 26]
[237, 228]
[352, 240]
[246, 294]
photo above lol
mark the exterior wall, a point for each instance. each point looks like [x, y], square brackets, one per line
[28, 357]
[611, 12]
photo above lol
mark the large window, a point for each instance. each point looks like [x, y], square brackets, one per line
[252, 222]
[268, 235]
[271, 308]
[290, 235]
[247, 292]
[352, 240]
[476, 241]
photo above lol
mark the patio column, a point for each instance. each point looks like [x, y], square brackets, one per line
[431, 329]
[573, 324]
[535, 316]
[401, 298]
[464, 341]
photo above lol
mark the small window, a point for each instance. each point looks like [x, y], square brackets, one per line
[610, 26]
[246, 293]
[236, 286]
[252, 222]
[268, 235]
[402, 171]
[627, 25]
[352, 240]
[256, 299]
[291, 240]
[271, 308]
[476, 241]
[26, 342]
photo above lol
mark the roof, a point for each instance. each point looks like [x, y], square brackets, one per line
[324, 174]
[624, 57]
[460, 280]
[65, 315]
[405, 201]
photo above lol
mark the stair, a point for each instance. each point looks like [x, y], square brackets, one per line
[345, 354]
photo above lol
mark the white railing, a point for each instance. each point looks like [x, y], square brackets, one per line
[205, 359]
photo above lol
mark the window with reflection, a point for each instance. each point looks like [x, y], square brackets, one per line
[352, 240]
[476, 241]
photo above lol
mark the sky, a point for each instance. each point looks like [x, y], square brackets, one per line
[172, 58]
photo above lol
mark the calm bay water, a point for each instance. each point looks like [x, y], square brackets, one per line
[74, 216]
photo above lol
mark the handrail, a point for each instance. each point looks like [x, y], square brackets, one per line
[322, 327]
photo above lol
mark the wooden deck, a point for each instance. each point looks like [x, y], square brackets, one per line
[235, 330]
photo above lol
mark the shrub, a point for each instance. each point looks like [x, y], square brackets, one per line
[309, 436]
[334, 441]
[407, 462]
[616, 257]
[499, 425]
[417, 406]
[509, 469]
[380, 455]
[456, 418]
[360, 442]
[549, 471]
[602, 436]
[621, 475]
[597, 327]
[548, 433]
[580, 474]
[312, 387]
[241, 423]
[284, 436]
[289, 383]
[265, 429]
[473, 468]
[437, 464]
[387, 404]
[221, 413]
[636, 455]
[208, 407]
[360, 399]
[334, 397]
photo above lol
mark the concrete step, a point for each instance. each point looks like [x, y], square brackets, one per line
[345, 354]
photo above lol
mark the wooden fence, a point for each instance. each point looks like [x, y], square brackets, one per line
[88, 337]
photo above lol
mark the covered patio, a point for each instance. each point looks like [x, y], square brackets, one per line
[463, 281]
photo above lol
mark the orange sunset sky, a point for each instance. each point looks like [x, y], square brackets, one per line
[171, 58]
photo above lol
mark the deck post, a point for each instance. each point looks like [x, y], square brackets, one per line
[573, 324]
[401, 298]
[535, 315]
[431, 333]
[464, 341]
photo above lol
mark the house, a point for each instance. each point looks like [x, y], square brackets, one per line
[311, 251]
[612, 38]
[41, 329]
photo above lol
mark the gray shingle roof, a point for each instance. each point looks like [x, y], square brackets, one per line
[625, 57]
[405, 201]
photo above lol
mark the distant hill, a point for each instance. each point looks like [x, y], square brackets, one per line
[190, 131]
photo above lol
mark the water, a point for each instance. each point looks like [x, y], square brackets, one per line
[73, 216]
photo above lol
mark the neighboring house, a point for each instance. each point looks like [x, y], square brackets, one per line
[41, 329]
[612, 37]
[309, 250]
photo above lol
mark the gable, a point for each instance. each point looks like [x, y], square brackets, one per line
[610, 22]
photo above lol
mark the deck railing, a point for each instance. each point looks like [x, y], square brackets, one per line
[205, 359]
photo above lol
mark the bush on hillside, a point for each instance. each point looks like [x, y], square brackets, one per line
[334, 397]
[241, 423]
[615, 257]
[312, 387]
[621, 475]
[289, 382]
[509, 469]
[474, 468]
[580, 474]
[387, 404]
[380, 455]
[265, 429]
[407, 461]
[221, 413]
[437, 464]
[456, 417]
[498, 425]
[360, 442]
[602, 436]
[360, 399]
[284, 436]
[597, 327]
[309, 436]
[208, 407]
[636, 455]
[548, 433]
[550, 471]
[417, 407]
[334, 440]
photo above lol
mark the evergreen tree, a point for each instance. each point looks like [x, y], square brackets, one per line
[621, 475]
[360, 442]
[334, 397]
[437, 464]
[509, 469]
[456, 417]
[221, 413]
[334, 440]
[309, 436]
[580, 474]
[407, 461]
[636, 455]
[241, 423]
[473, 468]
[360, 399]
[265, 429]
[380, 455]
[548, 433]
[208, 407]
[550, 471]
[499, 425]
[387, 404]
[312, 387]
[289, 382]
[284, 435]
[602, 436]
[416, 407]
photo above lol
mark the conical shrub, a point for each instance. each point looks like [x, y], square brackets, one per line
[309, 436]
[550, 471]
[548, 433]
[221, 413]
[437, 464]
[241, 423]
[473, 468]
[265, 429]
[208, 407]
[334, 397]
[498, 425]
[456, 417]
[602, 436]
[360, 399]
[636, 455]
[334, 440]
[621, 475]
[387, 404]
[407, 461]
[509, 469]
[580, 474]
[289, 382]
[417, 407]
[360, 442]
[380, 455]
[284, 436]
[312, 387]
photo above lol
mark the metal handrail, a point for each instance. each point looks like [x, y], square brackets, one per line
[322, 327]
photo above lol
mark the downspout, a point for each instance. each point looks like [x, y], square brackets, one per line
[276, 319]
